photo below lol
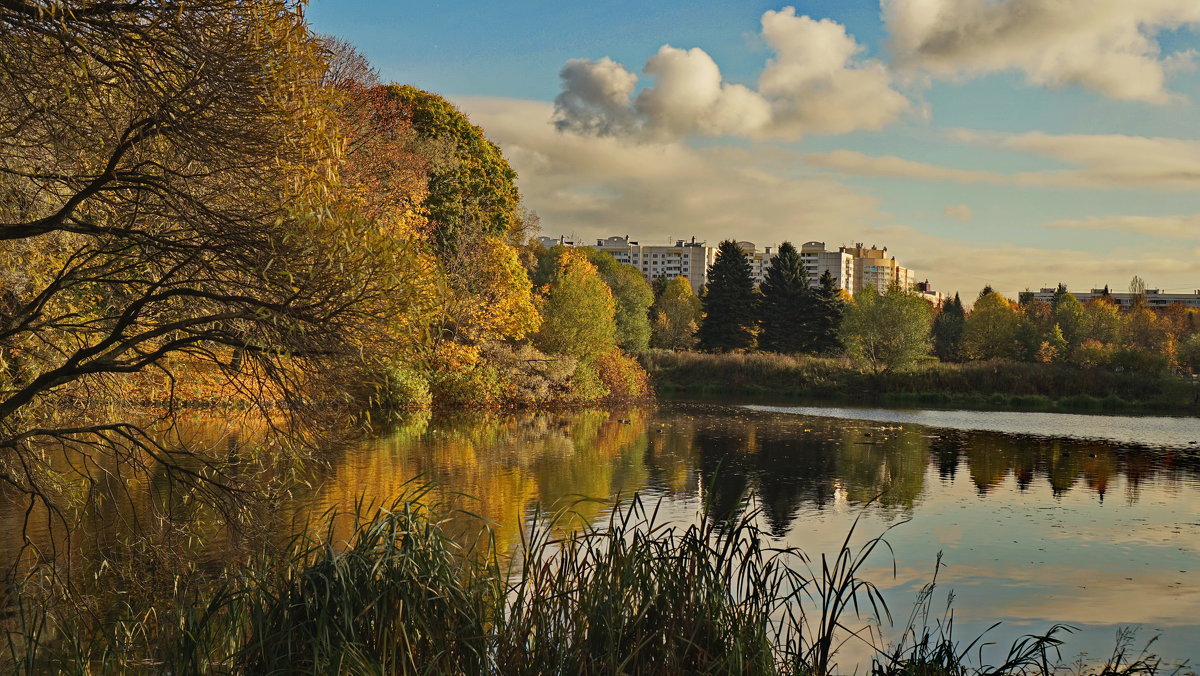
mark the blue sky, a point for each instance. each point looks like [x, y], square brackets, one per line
[1016, 142]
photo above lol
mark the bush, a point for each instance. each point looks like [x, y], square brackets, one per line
[398, 386]
[622, 375]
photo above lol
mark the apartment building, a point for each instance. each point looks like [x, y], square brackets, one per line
[852, 268]
[689, 259]
[817, 261]
[873, 267]
[1156, 299]
[760, 261]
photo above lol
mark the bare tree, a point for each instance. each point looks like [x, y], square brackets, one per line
[166, 174]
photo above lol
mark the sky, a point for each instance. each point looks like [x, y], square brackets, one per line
[1011, 143]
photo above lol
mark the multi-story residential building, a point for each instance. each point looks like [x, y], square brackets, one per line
[817, 261]
[873, 267]
[1156, 299]
[852, 268]
[689, 259]
[760, 261]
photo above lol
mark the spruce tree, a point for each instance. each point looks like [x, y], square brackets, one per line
[828, 309]
[786, 304]
[729, 302]
[948, 330]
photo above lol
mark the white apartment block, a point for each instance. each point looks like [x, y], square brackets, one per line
[817, 261]
[1156, 299]
[852, 268]
[689, 259]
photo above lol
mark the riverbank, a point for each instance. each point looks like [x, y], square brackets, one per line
[985, 385]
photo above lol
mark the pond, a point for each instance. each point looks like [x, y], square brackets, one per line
[1040, 519]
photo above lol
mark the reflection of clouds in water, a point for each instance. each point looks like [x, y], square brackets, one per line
[1173, 432]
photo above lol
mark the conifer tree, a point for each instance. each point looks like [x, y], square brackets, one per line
[729, 302]
[786, 304]
[828, 309]
[948, 330]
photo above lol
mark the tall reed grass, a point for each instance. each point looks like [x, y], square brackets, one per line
[634, 595]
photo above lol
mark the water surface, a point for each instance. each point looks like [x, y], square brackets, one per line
[1042, 519]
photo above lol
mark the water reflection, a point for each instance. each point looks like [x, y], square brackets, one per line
[1036, 529]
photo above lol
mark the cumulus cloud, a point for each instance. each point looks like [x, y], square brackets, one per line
[959, 212]
[1180, 227]
[1107, 46]
[816, 82]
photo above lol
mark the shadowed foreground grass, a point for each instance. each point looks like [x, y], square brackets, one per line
[635, 596]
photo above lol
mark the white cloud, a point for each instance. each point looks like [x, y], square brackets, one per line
[1092, 161]
[858, 164]
[1181, 227]
[596, 186]
[596, 95]
[959, 212]
[1107, 46]
[815, 83]
[954, 265]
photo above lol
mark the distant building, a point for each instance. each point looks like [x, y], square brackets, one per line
[817, 261]
[689, 259]
[873, 267]
[1156, 299]
[760, 261]
[925, 289]
[852, 268]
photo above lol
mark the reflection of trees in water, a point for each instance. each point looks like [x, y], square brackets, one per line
[791, 462]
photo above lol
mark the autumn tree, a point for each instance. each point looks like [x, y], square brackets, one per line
[1069, 315]
[729, 302]
[990, 330]
[676, 316]
[887, 331]
[472, 188]
[165, 202]
[578, 310]
[786, 304]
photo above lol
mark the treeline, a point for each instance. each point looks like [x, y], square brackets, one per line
[897, 328]
[207, 205]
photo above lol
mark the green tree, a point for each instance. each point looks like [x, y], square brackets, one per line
[786, 304]
[828, 311]
[888, 331]
[633, 297]
[631, 292]
[729, 302]
[990, 330]
[472, 188]
[1068, 314]
[1189, 353]
[676, 314]
[1055, 347]
[578, 311]
[948, 329]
